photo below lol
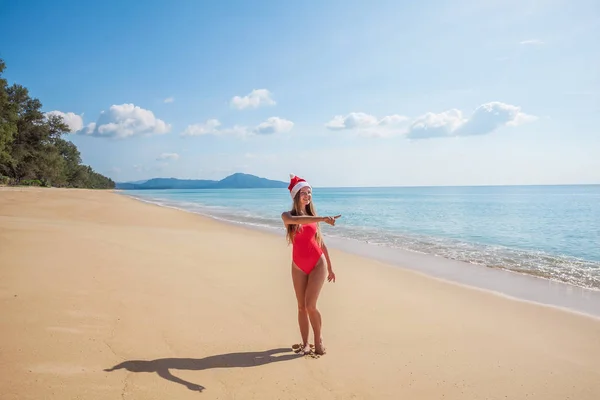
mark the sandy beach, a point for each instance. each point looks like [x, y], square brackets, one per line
[105, 297]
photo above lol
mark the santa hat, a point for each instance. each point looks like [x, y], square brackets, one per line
[296, 183]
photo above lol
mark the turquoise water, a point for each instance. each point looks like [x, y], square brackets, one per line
[546, 231]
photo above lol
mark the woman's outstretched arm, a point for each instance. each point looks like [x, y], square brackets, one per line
[290, 219]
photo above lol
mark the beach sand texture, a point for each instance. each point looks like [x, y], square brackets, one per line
[105, 297]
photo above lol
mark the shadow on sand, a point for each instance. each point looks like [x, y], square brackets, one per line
[162, 366]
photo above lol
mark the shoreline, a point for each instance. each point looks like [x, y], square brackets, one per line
[514, 285]
[105, 297]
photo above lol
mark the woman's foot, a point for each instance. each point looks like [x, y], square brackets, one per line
[307, 348]
[319, 348]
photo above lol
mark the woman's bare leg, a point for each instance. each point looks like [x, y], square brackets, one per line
[313, 289]
[300, 280]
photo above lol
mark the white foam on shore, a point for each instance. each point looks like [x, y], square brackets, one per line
[506, 283]
[516, 286]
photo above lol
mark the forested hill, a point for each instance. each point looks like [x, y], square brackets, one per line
[235, 181]
[32, 150]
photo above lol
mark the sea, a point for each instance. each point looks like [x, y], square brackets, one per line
[546, 232]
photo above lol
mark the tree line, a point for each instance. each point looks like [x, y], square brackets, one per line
[32, 150]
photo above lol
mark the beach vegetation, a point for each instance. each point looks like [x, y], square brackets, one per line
[32, 148]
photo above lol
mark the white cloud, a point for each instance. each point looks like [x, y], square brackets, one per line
[486, 118]
[168, 156]
[274, 125]
[532, 42]
[435, 125]
[521, 118]
[210, 127]
[351, 121]
[391, 120]
[369, 125]
[89, 128]
[213, 127]
[74, 121]
[169, 100]
[255, 99]
[126, 120]
[491, 116]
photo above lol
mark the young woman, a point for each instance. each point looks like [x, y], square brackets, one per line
[310, 259]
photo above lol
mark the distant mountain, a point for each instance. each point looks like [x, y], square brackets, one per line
[235, 181]
[167, 183]
[247, 181]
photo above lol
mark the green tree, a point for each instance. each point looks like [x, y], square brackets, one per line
[8, 125]
[69, 153]
[32, 147]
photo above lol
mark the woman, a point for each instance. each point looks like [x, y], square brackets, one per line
[310, 259]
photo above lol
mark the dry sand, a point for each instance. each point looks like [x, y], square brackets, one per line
[91, 280]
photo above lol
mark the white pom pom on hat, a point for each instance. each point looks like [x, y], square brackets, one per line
[296, 183]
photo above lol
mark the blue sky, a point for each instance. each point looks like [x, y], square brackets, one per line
[344, 93]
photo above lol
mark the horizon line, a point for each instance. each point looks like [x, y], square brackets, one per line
[384, 186]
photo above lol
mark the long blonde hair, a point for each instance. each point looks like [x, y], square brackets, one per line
[309, 209]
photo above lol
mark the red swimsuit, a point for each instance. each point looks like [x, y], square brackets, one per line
[306, 251]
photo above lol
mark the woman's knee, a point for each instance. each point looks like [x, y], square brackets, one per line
[311, 308]
[302, 308]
